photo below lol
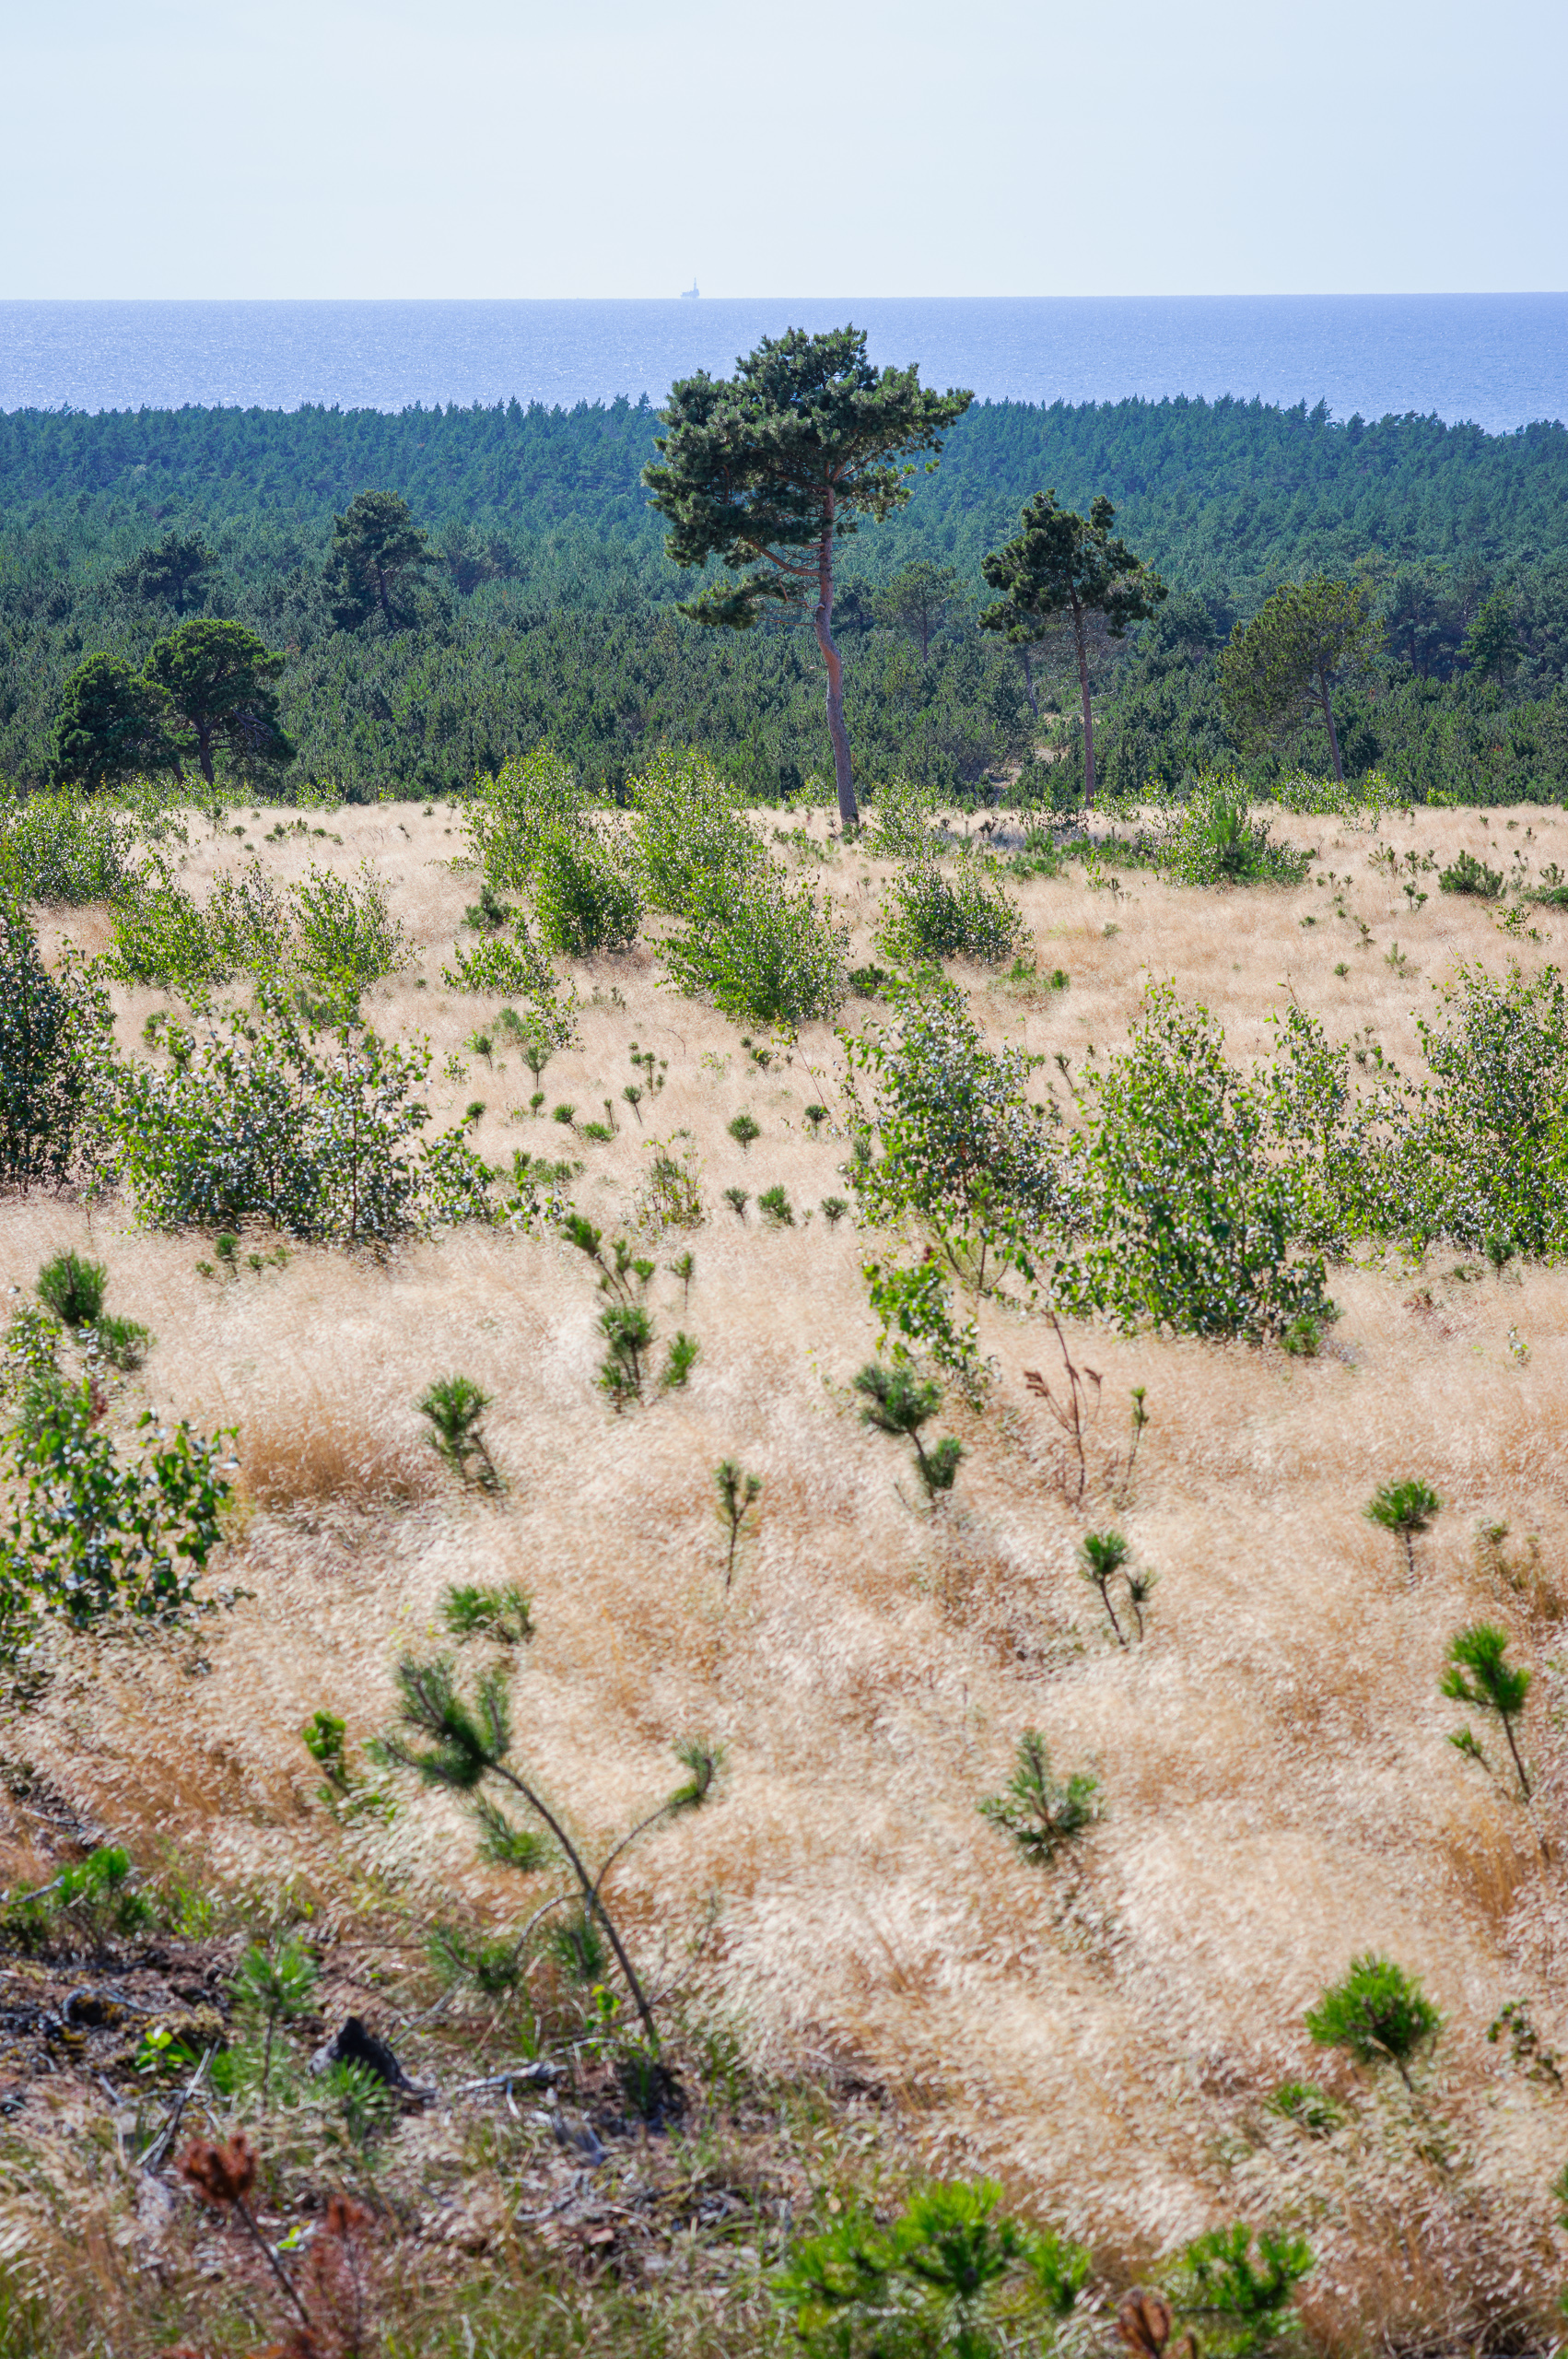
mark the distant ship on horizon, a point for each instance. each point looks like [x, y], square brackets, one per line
[689, 294]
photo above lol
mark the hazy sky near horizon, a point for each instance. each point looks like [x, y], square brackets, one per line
[482, 148]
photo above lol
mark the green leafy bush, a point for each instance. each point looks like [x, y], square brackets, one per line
[689, 832]
[512, 811]
[55, 848]
[1186, 1218]
[345, 938]
[266, 1120]
[46, 1032]
[584, 898]
[500, 969]
[159, 935]
[906, 821]
[931, 915]
[963, 1147]
[762, 949]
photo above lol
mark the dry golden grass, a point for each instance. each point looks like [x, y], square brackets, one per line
[1280, 1793]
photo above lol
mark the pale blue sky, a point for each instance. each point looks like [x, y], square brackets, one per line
[328, 147]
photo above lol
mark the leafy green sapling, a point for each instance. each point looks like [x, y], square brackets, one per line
[1406, 1510]
[738, 1494]
[1379, 2012]
[897, 1401]
[1042, 1813]
[1479, 1675]
[454, 1405]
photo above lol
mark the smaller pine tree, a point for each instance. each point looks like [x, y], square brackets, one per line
[1377, 2014]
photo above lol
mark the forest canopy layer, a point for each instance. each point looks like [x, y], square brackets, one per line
[550, 610]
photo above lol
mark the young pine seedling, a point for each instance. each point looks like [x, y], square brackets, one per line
[737, 1199]
[1100, 1556]
[1406, 1510]
[1037, 1810]
[465, 1747]
[276, 1984]
[683, 1267]
[633, 1096]
[1377, 2014]
[833, 1210]
[454, 1404]
[742, 1129]
[898, 1403]
[678, 1362]
[1479, 1675]
[73, 1289]
[738, 1494]
[816, 1116]
[505, 1614]
[775, 1208]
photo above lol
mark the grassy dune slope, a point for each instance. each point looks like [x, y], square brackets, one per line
[1279, 1794]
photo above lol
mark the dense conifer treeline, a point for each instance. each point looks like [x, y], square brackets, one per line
[551, 608]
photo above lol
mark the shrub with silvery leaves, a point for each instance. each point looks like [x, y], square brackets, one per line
[932, 915]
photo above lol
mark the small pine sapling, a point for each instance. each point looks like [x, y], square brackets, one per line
[276, 1984]
[678, 1362]
[1405, 1509]
[454, 1404]
[629, 1332]
[1042, 1813]
[1479, 1675]
[738, 1494]
[73, 1289]
[1528, 2052]
[833, 1210]
[1247, 2291]
[505, 1614]
[775, 1208]
[742, 1129]
[1100, 1556]
[633, 1096]
[1377, 2013]
[683, 1267]
[565, 1115]
[816, 1116]
[449, 1741]
[737, 1199]
[898, 1403]
[1140, 1588]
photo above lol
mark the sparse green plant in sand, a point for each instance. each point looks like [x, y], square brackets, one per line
[738, 1495]
[1479, 1676]
[504, 1614]
[454, 1405]
[1041, 1812]
[1406, 1510]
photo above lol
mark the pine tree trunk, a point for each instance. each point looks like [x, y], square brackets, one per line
[1080, 640]
[1327, 703]
[848, 809]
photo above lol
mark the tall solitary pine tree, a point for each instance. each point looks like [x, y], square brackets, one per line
[1282, 665]
[1062, 568]
[770, 469]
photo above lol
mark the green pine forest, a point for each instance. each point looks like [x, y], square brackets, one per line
[552, 612]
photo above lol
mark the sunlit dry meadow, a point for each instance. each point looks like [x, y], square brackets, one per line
[1278, 1791]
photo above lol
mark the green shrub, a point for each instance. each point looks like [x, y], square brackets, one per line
[345, 939]
[1378, 2013]
[1469, 874]
[905, 822]
[1186, 1218]
[46, 1036]
[510, 813]
[269, 1122]
[931, 915]
[160, 936]
[762, 949]
[584, 898]
[1217, 841]
[55, 848]
[1244, 2288]
[73, 1289]
[963, 1146]
[689, 832]
[500, 969]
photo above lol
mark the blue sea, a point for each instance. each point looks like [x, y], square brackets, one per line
[1500, 360]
